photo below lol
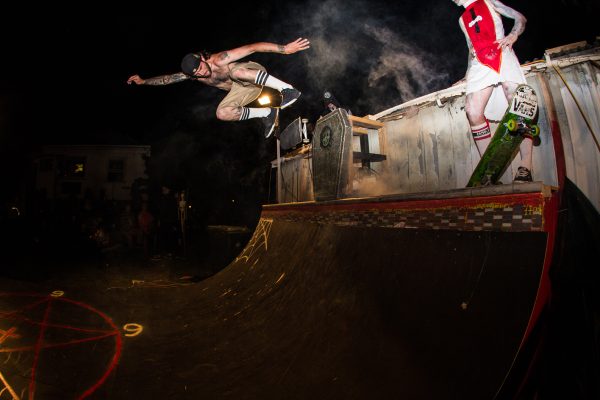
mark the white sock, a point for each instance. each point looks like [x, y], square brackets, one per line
[264, 79]
[248, 113]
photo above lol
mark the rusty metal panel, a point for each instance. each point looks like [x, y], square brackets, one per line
[397, 149]
[431, 149]
[544, 159]
[583, 166]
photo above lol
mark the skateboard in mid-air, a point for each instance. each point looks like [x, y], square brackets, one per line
[277, 109]
[519, 120]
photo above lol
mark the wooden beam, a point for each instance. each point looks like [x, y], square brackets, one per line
[365, 122]
[359, 131]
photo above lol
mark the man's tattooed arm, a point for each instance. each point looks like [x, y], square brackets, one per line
[271, 48]
[166, 79]
[233, 55]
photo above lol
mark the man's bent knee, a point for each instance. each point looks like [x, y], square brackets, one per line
[228, 113]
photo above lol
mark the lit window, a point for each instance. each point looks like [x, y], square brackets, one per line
[74, 167]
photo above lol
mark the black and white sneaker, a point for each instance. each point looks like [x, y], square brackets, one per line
[523, 175]
[270, 122]
[289, 96]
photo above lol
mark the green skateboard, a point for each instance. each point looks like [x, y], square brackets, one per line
[520, 119]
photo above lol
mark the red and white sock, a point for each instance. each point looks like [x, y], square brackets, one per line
[482, 131]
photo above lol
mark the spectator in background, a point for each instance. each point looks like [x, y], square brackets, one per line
[126, 225]
[167, 222]
[145, 221]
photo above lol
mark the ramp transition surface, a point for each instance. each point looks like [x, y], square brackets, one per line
[306, 311]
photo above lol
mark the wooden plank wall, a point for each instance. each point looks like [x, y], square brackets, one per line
[297, 180]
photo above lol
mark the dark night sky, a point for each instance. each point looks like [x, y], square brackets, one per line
[64, 72]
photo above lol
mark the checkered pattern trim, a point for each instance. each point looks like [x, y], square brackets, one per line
[484, 217]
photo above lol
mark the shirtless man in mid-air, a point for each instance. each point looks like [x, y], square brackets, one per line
[243, 80]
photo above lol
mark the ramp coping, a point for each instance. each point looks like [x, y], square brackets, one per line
[484, 191]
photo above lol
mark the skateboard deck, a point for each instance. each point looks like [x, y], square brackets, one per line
[520, 119]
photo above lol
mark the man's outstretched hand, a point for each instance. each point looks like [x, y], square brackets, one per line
[135, 79]
[296, 46]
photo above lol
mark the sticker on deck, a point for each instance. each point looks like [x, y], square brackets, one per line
[524, 103]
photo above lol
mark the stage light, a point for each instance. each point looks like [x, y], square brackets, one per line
[264, 100]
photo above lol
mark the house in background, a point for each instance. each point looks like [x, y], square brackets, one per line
[63, 171]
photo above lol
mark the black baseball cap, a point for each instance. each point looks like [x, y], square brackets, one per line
[190, 63]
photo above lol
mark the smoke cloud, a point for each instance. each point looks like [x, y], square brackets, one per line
[361, 51]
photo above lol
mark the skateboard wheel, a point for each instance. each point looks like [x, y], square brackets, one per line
[535, 130]
[511, 125]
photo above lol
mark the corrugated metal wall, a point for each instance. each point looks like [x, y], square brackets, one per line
[433, 150]
[429, 148]
[582, 155]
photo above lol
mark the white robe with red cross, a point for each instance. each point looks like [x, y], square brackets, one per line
[488, 65]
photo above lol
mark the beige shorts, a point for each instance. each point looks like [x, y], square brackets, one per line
[242, 93]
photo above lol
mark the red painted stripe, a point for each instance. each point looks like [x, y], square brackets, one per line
[8, 315]
[528, 199]
[550, 211]
[38, 347]
[543, 294]
[559, 153]
[118, 349]
[551, 219]
[55, 345]
[49, 325]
